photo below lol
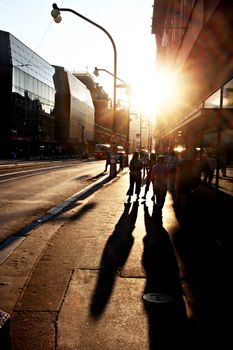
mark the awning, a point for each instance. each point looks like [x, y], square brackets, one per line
[205, 120]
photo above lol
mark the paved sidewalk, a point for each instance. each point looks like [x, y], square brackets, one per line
[103, 255]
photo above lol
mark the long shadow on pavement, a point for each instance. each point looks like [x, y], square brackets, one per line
[114, 256]
[167, 320]
[203, 248]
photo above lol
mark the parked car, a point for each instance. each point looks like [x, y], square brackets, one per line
[120, 152]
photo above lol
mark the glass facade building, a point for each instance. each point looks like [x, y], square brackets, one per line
[75, 113]
[27, 96]
[45, 111]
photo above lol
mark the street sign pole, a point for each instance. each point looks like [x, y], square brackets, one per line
[113, 161]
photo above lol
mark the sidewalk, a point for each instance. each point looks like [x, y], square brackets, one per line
[93, 264]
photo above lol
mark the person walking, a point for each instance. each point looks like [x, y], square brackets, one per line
[172, 162]
[187, 179]
[121, 161]
[135, 175]
[159, 176]
[211, 164]
[222, 165]
[145, 163]
[152, 162]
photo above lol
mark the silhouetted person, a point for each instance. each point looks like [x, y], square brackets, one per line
[211, 162]
[152, 162]
[145, 163]
[108, 161]
[205, 169]
[135, 175]
[222, 166]
[159, 176]
[121, 161]
[172, 162]
[187, 178]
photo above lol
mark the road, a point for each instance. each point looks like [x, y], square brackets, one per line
[29, 190]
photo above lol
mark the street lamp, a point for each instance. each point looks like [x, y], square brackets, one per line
[128, 91]
[97, 70]
[55, 13]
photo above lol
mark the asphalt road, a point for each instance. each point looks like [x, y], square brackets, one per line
[29, 190]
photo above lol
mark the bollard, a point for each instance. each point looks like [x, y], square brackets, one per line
[4, 331]
[113, 166]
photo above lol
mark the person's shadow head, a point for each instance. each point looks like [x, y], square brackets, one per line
[115, 254]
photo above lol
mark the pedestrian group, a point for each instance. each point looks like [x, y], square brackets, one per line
[179, 175]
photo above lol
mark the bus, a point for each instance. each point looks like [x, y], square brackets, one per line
[101, 150]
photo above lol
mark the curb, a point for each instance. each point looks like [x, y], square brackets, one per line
[10, 244]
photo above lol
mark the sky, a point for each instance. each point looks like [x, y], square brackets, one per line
[80, 46]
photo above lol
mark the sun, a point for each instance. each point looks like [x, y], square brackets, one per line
[143, 97]
[152, 92]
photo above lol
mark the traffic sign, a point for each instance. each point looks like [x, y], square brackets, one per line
[113, 139]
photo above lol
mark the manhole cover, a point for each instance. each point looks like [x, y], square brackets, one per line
[158, 298]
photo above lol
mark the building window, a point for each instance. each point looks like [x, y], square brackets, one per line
[228, 95]
[213, 101]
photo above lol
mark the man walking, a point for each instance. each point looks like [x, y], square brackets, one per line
[159, 176]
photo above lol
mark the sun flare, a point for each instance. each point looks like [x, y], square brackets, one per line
[152, 93]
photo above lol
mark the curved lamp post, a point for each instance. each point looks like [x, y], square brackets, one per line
[97, 70]
[55, 13]
[127, 87]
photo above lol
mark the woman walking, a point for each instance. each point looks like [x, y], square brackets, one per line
[135, 175]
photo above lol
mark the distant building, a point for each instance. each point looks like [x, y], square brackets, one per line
[74, 112]
[104, 113]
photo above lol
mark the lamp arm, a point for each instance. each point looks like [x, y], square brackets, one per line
[107, 71]
[55, 7]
